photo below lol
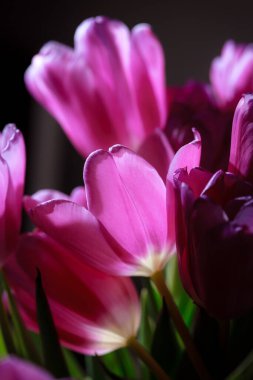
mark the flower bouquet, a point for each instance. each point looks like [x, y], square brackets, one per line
[145, 271]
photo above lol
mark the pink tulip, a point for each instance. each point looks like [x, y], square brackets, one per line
[109, 89]
[125, 229]
[13, 368]
[94, 313]
[231, 74]
[12, 172]
[214, 219]
[241, 151]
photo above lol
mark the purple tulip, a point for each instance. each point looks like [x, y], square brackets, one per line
[193, 106]
[214, 223]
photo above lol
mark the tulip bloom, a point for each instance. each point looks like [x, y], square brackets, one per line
[214, 218]
[94, 314]
[12, 172]
[109, 89]
[231, 74]
[125, 229]
[13, 368]
[193, 106]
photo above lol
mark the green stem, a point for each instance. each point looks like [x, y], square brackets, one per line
[6, 331]
[147, 359]
[183, 331]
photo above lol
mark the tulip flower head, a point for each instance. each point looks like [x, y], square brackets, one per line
[12, 172]
[194, 106]
[125, 229]
[94, 314]
[214, 215]
[109, 89]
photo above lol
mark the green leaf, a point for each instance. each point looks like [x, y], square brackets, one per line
[75, 369]
[120, 363]
[147, 323]
[166, 349]
[94, 369]
[184, 303]
[53, 356]
[7, 343]
[21, 336]
[3, 350]
[244, 371]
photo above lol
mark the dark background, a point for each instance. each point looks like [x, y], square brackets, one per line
[191, 32]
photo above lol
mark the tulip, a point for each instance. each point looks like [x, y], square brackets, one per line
[214, 218]
[12, 172]
[231, 74]
[125, 229]
[194, 106]
[109, 89]
[13, 368]
[94, 314]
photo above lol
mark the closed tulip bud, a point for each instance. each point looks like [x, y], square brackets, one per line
[108, 89]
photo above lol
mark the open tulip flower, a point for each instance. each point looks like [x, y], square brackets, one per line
[12, 172]
[94, 314]
[125, 229]
[109, 89]
[214, 214]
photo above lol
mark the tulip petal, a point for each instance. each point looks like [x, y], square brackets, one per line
[223, 286]
[157, 151]
[241, 151]
[77, 196]
[13, 152]
[149, 77]
[129, 198]
[231, 73]
[186, 157]
[76, 228]
[13, 368]
[102, 314]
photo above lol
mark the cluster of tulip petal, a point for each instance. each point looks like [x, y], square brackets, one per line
[168, 185]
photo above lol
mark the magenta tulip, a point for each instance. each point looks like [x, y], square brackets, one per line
[12, 172]
[94, 313]
[109, 89]
[13, 368]
[125, 229]
[214, 219]
[231, 74]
